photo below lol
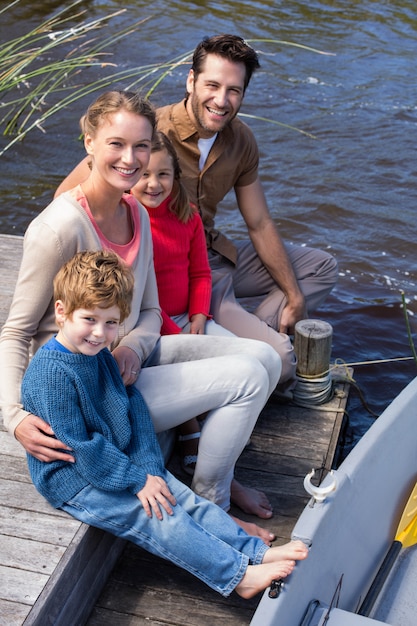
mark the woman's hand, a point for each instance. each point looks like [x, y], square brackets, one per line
[155, 495]
[129, 364]
[37, 438]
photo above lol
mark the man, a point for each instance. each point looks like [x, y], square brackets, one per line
[218, 153]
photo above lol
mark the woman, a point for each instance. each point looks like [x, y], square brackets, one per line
[233, 380]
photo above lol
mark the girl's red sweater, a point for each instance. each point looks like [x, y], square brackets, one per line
[181, 265]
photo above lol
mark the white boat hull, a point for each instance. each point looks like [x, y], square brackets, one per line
[350, 532]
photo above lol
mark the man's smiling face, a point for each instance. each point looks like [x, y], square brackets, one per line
[215, 95]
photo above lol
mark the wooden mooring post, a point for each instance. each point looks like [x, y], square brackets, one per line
[313, 346]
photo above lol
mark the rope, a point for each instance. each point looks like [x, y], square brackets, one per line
[313, 390]
[398, 358]
[347, 377]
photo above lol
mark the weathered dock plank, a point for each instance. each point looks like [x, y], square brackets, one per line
[26, 554]
[12, 613]
[21, 586]
[26, 524]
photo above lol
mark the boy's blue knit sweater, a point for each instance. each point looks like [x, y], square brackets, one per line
[106, 424]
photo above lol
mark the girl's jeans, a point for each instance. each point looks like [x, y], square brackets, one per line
[199, 537]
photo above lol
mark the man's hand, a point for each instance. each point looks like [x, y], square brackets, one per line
[36, 436]
[128, 362]
[154, 495]
[292, 313]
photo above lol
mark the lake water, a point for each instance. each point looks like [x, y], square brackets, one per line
[348, 186]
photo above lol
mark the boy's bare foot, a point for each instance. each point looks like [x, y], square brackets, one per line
[255, 530]
[278, 562]
[293, 550]
[259, 577]
[250, 500]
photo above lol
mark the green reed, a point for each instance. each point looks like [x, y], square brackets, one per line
[34, 86]
[408, 327]
[41, 71]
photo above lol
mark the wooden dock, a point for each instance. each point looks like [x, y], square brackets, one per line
[54, 570]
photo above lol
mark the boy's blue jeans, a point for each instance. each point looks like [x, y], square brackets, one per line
[199, 537]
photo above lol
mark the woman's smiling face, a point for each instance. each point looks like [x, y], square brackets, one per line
[120, 149]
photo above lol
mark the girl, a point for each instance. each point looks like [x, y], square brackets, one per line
[180, 252]
[182, 269]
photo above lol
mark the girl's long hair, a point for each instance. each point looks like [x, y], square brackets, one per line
[180, 202]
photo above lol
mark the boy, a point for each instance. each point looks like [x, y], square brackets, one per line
[118, 481]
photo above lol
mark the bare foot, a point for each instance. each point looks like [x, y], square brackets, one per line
[250, 500]
[255, 530]
[278, 562]
[259, 577]
[293, 550]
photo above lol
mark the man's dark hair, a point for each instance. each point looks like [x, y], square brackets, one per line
[231, 47]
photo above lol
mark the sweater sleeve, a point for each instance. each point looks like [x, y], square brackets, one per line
[142, 328]
[31, 315]
[199, 271]
[169, 327]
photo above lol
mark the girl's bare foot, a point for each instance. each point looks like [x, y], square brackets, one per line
[259, 577]
[255, 530]
[293, 550]
[250, 500]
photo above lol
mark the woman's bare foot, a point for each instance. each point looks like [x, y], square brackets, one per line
[293, 550]
[259, 577]
[255, 530]
[250, 500]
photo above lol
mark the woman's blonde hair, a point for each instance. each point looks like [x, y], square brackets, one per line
[111, 102]
[95, 279]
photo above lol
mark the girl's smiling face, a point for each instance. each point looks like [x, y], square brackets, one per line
[87, 331]
[155, 184]
[120, 149]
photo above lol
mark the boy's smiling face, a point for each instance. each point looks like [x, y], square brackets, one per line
[87, 331]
